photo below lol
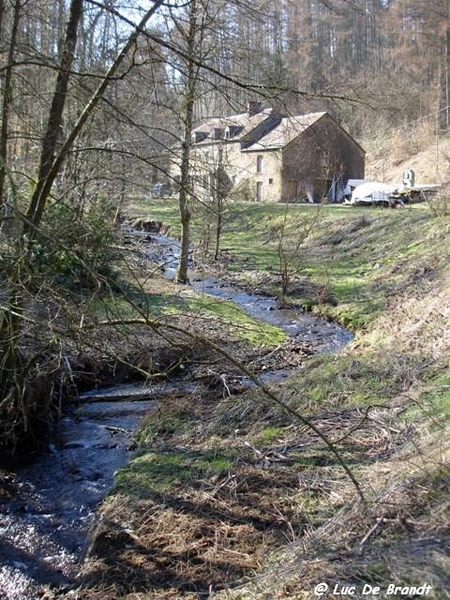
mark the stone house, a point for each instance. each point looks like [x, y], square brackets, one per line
[264, 156]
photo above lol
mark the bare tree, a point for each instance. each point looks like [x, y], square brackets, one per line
[191, 77]
[289, 243]
[7, 92]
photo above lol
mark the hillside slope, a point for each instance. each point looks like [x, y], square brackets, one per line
[396, 375]
[429, 159]
[231, 496]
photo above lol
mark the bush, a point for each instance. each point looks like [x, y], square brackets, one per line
[439, 202]
[76, 249]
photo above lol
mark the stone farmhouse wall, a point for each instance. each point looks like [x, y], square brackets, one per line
[306, 168]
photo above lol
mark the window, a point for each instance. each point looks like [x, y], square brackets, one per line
[259, 163]
[270, 180]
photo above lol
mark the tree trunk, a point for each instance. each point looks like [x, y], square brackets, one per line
[185, 179]
[218, 227]
[447, 72]
[54, 125]
[7, 90]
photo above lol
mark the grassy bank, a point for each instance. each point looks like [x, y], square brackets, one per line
[231, 496]
[351, 263]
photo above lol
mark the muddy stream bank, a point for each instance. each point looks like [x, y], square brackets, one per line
[48, 506]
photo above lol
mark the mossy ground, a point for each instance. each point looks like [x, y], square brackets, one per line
[227, 485]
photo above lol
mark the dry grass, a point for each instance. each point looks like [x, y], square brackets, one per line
[230, 498]
[402, 536]
[418, 149]
[416, 323]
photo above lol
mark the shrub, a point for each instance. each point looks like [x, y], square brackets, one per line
[75, 249]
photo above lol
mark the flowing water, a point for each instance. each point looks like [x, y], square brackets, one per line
[48, 506]
[323, 335]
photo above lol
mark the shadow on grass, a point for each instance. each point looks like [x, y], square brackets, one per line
[204, 525]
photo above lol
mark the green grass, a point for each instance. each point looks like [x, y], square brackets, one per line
[268, 435]
[134, 303]
[435, 401]
[343, 381]
[160, 472]
[358, 257]
[240, 324]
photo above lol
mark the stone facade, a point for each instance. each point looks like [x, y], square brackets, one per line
[266, 157]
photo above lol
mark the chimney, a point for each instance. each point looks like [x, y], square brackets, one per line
[253, 108]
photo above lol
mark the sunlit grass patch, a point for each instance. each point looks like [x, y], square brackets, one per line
[268, 435]
[341, 381]
[158, 472]
[435, 402]
[201, 310]
[241, 325]
[118, 307]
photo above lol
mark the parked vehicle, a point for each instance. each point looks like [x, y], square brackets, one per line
[160, 190]
[372, 192]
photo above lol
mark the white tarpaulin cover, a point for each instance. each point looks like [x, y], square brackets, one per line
[374, 191]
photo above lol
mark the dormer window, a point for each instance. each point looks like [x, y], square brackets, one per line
[231, 131]
[259, 163]
[217, 133]
[199, 136]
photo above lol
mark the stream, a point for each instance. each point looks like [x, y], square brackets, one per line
[48, 506]
[324, 336]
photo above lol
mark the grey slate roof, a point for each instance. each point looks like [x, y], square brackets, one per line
[242, 124]
[265, 130]
[285, 132]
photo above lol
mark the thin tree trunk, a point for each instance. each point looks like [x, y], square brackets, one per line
[7, 91]
[218, 227]
[54, 125]
[185, 179]
[447, 71]
[10, 319]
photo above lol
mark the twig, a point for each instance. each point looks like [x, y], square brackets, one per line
[371, 531]
[288, 523]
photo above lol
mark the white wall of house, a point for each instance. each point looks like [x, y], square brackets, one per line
[265, 172]
[255, 175]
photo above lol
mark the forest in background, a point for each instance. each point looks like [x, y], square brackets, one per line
[381, 67]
